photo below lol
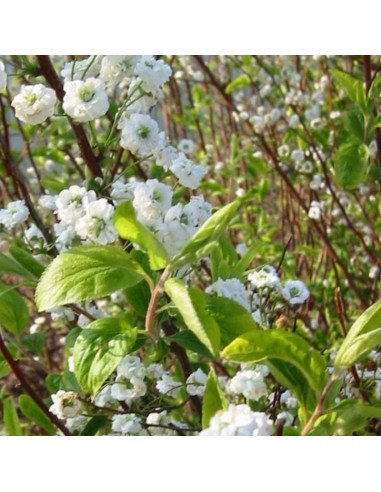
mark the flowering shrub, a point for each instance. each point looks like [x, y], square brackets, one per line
[185, 243]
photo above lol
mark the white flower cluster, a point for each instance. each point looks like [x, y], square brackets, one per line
[81, 216]
[239, 420]
[14, 214]
[249, 383]
[152, 200]
[85, 100]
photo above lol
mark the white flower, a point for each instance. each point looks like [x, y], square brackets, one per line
[155, 371]
[188, 173]
[122, 191]
[266, 277]
[96, 225]
[288, 400]
[159, 419]
[295, 292]
[168, 386]
[196, 212]
[131, 366]
[196, 383]
[239, 420]
[172, 233]
[65, 404]
[70, 204]
[186, 146]
[48, 201]
[314, 212]
[250, 384]
[128, 389]
[129, 424]
[293, 121]
[297, 156]
[140, 134]
[14, 214]
[152, 200]
[138, 101]
[286, 417]
[374, 272]
[114, 68]
[3, 77]
[153, 73]
[82, 69]
[104, 397]
[76, 424]
[34, 236]
[34, 104]
[85, 100]
[231, 288]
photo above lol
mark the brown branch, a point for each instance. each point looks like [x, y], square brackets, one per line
[29, 390]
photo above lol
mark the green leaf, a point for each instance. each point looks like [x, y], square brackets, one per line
[130, 228]
[238, 83]
[4, 367]
[192, 307]
[7, 265]
[355, 124]
[350, 164]
[291, 359]
[10, 418]
[33, 412]
[354, 88]
[189, 341]
[232, 318]
[86, 272]
[94, 425]
[209, 231]
[14, 314]
[375, 122]
[27, 261]
[368, 322]
[214, 399]
[99, 349]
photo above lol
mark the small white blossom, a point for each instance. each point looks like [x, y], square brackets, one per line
[82, 69]
[239, 420]
[114, 68]
[248, 383]
[188, 173]
[153, 73]
[85, 100]
[266, 277]
[186, 146]
[295, 292]
[196, 383]
[129, 424]
[168, 386]
[65, 404]
[140, 134]
[231, 288]
[14, 214]
[34, 104]
[152, 200]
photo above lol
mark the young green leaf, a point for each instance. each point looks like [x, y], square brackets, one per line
[192, 307]
[271, 346]
[214, 399]
[238, 83]
[130, 228]
[350, 164]
[10, 418]
[7, 265]
[86, 272]
[354, 88]
[27, 261]
[208, 232]
[33, 412]
[232, 318]
[356, 341]
[99, 349]
[14, 314]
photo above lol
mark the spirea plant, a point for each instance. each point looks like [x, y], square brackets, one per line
[190, 245]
